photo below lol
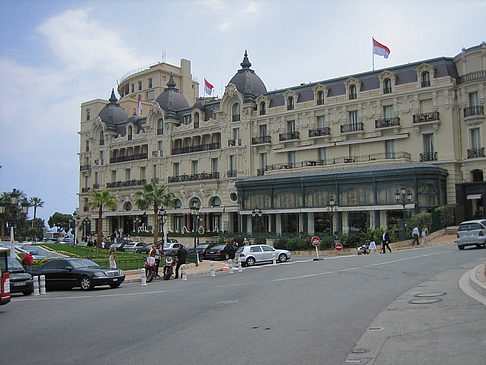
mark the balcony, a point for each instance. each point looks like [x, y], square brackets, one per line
[288, 136]
[473, 110]
[139, 156]
[234, 142]
[387, 122]
[261, 140]
[475, 152]
[231, 173]
[478, 75]
[320, 132]
[85, 190]
[196, 148]
[351, 128]
[194, 177]
[425, 117]
[125, 184]
[428, 156]
[84, 167]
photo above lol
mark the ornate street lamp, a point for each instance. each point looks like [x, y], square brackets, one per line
[195, 216]
[331, 205]
[162, 214]
[86, 223]
[403, 197]
[75, 219]
[257, 214]
[137, 222]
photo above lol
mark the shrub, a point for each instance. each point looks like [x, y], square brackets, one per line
[446, 215]
[354, 240]
[280, 244]
[418, 220]
[326, 243]
[297, 244]
[260, 239]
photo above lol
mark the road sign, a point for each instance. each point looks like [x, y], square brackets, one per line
[315, 241]
[339, 246]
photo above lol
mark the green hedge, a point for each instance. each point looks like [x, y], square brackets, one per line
[418, 220]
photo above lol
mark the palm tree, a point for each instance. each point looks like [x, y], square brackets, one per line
[35, 202]
[101, 199]
[156, 196]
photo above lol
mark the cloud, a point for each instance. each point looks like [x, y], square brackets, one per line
[223, 28]
[252, 8]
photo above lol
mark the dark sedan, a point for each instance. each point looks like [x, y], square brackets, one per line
[202, 248]
[20, 281]
[221, 251]
[71, 272]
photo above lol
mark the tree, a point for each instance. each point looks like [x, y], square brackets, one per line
[156, 196]
[36, 203]
[60, 221]
[101, 199]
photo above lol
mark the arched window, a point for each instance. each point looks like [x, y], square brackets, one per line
[236, 112]
[196, 120]
[477, 175]
[352, 92]
[160, 126]
[387, 86]
[262, 108]
[216, 202]
[195, 202]
[130, 133]
[178, 204]
[425, 79]
[290, 103]
[320, 98]
[102, 138]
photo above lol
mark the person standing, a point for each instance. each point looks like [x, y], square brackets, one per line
[27, 262]
[385, 241]
[181, 259]
[112, 257]
[372, 245]
[425, 233]
[245, 242]
[415, 235]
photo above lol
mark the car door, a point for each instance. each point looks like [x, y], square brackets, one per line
[257, 253]
[53, 273]
[268, 252]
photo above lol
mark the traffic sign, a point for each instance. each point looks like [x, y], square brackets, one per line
[339, 246]
[315, 241]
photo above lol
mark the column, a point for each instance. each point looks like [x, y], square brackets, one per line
[278, 224]
[310, 223]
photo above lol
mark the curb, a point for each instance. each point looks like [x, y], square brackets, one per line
[478, 285]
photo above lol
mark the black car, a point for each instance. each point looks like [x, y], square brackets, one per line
[20, 281]
[202, 248]
[221, 251]
[71, 272]
[145, 249]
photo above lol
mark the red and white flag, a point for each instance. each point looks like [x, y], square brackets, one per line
[139, 106]
[208, 88]
[380, 49]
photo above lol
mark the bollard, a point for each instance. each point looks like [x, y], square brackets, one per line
[42, 284]
[274, 260]
[184, 275]
[36, 285]
[213, 273]
[240, 269]
[230, 265]
[143, 278]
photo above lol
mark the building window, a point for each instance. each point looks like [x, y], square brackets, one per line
[88, 114]
[143, 173]
[150, 94]
[473, 99]
[353, 119]
[429, 150]
[263, 160]
[187, 119]
[263, 111]
[263, 130]
[320, 98]
[235, 112]
[87, 146]
[102, 138]
[194, 167]
[291, 126]
[139, 85]
[236, 134]
[113, 176]
[127, 175]
[133, 88]
[130, 132]
[387, 86]
[160, 145]
[475, 139]
[321, 154]
[150, 83]
[214, 165]
[389, 149]
[477, 175]
[102, 158]
[292, 158]
[352, 92]
[154, 170]
[388, 111]
[320, 122]
[196, 120]
[175, 168]
[160, 126]
[96, 178]
[232, 166]
[290, 103]
[425, 79]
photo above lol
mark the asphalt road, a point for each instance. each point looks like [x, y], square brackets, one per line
[301, 312]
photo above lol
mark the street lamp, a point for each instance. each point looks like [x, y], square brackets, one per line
[195, 216]
[331, 205]
[86, 223]
[137, 221]
[162, 214]
[256, 213]
[403, 197]
[75, 219]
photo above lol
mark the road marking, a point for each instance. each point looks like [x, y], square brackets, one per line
[94, 296]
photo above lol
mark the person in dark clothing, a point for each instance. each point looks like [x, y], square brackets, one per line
[385, 241]
[181, 259]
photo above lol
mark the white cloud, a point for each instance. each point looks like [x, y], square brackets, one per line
[252, 8]
[224, 27]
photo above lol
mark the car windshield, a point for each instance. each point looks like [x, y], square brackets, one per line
[77, 264]
[469, 226]
[218, 247]
[204, 245]
[14, 265]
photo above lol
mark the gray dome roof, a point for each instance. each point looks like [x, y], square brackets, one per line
[171, 99]
[247, 82]
[113, 113]
[199, 105]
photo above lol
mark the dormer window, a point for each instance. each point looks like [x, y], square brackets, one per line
[320, 98]
[130, 133]
[290, 103]
[235, 117]
[352, 92]
[160, 126]
[196, 120]
[263, 111]
[387, 86]
[102, 138]
[425, 79]
[187, 119]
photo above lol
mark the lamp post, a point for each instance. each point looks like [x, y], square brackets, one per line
[75, 219]
[331, 205]
[256, 213]
[162, 217]
[137, 222]
[403, 197]
[195, 216]
[86, 223]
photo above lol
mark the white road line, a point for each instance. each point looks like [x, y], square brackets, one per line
[94, 296]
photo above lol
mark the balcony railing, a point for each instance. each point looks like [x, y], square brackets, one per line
[234, 142]
[85, 190]
[261, 139]
[387, 90]
[319, 132]
[288, 136]
[349, 128]
[194, 177]
[473, 110]
[425, 83]
[428, 156]
[387, 122]
[139, 156]
[426, 117]
[124, 184]
[196, 148]
[478, 75]
[231, 173]
[475, 152]
[84, 167]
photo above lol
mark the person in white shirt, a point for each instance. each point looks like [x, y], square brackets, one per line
[415, 235]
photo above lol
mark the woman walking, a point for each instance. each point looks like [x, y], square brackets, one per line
[425, 233]
[372, 243]
[112, 257]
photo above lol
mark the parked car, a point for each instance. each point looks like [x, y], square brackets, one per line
[120, 246]
[471, 233]
[250, 255]
[202, 248]
[134, 246]
[74, 272]
[20, 280]
[221, 251]
[171, 247]
[145, 249]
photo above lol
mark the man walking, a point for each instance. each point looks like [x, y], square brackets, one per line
[181, 259]
[385, 241]
[415, 235]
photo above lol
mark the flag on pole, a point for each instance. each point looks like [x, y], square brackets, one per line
[380, 49]
[208, 88]
[139, 106]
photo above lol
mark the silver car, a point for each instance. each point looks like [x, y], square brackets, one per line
[250, 255]
[471, 233]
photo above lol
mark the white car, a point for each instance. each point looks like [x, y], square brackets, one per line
[471, 233]
[250, 255]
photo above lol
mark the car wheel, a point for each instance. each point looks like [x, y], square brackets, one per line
[461, 247]
[282, 257]
[113, 286]
[250, 261]
[226, 257]
[85, 283]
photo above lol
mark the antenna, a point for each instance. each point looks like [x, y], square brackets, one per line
[164, 55]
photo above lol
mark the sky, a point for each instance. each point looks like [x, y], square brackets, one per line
[57, 54]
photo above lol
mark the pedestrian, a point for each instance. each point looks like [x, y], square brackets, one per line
[181, 259]
[372, 243]
[425, 233]
[245, 242]
[385, 241]
[157, 256]
[27, 262]
[112, 257]
[415, 235]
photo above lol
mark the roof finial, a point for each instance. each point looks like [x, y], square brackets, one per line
[171, 83]
[246, 63]
[112, 98]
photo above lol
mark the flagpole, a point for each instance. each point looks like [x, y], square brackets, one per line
[372, 53]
